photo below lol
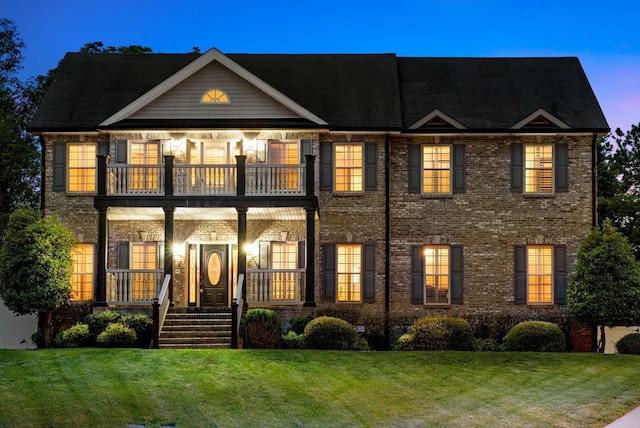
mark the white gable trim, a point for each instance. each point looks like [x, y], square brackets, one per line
[541, 112]
[441, 115]
[205, 59]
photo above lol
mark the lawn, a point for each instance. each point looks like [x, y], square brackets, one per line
[287, 388]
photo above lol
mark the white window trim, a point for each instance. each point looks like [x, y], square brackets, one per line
[424, 274]
[422, 169]
[335, 169]
[553, 170]
[68, 168]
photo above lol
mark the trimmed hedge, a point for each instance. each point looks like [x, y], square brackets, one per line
[116, 336]
[331, 333]
[74, 337]
[535, 336]
[143, 326]
[438, 334]
[629, 344]
[99, 321]
[262, 327]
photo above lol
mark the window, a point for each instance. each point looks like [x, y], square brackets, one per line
[539, 274]
[144, 259]
[145, 175]
[436, 169]
[538, 168]
[284, 256]
[82, 277]
[436, 278]
[284, 153]
[82, 168]
[215, 96]
[349, 272]
[348, 167]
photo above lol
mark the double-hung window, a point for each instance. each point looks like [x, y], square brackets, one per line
[82, 168]
[144, 156]
[82, 277]
[436, 275]
[144, 260]
[348, 168]
[349, 272]
[284, 153]
[284, 260]
[540, 274]
[538, 168]
[436, 169]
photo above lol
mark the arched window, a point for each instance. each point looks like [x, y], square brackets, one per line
[217, 96]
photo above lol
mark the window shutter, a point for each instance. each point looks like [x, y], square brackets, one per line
[517, 168]
[301, 255]
[417, 275]
[121, 151]
[263, 255]
[305, 149]
[326, 166]
[370, 167]
[329, 272]
[458, 168]
[457, 286]
[562, 167]
[369, 271]
[560, 274]
[415, 168]
[59, 167]
[123, 255]
[520, 280]
[103, 149]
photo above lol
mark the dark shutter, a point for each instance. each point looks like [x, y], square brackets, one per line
[457, 285]
[417, 275]
[520, 277]
[302, 255]
[121, 151]
[263, 255]
[305, 149]
[560, 274]
[370, 167]
[517, 167]
[329, 272]
[123, 255]
[59, 166]
[369, 272]
[415, 168]
[103, 149]
[458, 168]
[562, 167]
[326, 166]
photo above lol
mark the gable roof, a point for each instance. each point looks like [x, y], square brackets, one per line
[335, 91]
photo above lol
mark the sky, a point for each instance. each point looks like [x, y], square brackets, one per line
[604, 35]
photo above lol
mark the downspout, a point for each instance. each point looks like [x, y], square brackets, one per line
[387, 235]
[42, 175]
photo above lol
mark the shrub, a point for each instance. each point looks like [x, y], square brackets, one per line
[116, 336]
[405, 343]
[74, 337]
[441, 333]
[487, 345]
[535, 336]
[349, 314]
[143, 326]
[263, 328]
[297, 324]
[629, 344]
[330, 333]
[292, 340]
[99, 321]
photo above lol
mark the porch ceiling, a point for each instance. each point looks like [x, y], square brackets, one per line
[183, 213]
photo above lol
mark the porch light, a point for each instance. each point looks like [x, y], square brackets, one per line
[251, 249]
[178, 250]
[174, 147]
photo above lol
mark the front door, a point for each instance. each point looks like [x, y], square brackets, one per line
[214, 279]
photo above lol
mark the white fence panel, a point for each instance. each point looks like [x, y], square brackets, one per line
[16, 331]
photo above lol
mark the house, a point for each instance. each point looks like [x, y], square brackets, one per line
[397, 187]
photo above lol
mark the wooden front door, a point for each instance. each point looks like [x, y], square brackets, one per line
[214, 277]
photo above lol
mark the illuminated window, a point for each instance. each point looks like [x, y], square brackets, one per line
[349, 272]
[284, 256]
[284, 153]
[145, 174]
[215, 96]
[82, 278]
[144, 260]
[540, 273]
[348, 167]
[436, 169]
[436, 274]
[538, 167]
[82, 167]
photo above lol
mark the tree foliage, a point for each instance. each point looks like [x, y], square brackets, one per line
[604, 289]
[99, 47]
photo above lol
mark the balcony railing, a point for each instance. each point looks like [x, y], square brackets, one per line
[133, 287]
[198, 179]
[275, 286]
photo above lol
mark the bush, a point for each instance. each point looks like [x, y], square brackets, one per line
[116, 336]
[143, 326]
[405, 343]
[441, 333]
[74, 337]
[99, 321]
[292, 340]
[262, 327]
[487, 345]
[535, 336]
[629, 344]
[330, 333]
[297, 324]
[349, 314]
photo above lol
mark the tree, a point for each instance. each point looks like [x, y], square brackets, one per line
[604, 290]
[36, 265]
[98, 47]
[20, 160]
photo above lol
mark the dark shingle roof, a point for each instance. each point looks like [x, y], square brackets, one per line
[367, 92]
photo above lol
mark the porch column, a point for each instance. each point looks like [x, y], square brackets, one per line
[310, 171]
[102, 174]
[168, 247]
[242, 250]
[101, 261]
[241, 168]
[168, 175]
[311, 259]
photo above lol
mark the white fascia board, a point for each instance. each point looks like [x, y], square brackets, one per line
[441, 115]
[541, 112]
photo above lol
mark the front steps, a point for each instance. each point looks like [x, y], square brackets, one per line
[202, 329]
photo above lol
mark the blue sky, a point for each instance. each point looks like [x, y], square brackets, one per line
[604, 35]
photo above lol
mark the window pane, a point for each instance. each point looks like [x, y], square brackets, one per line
[144, 256]
[436, 270]
[436, 169]
[348, 168]
[540, 270]
[82, 278]
[144, 153]
[538, 168]
[284, 153]
[82, 168]
[284, 256]
[349, 272]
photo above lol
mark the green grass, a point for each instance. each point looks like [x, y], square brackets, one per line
[289, 388]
